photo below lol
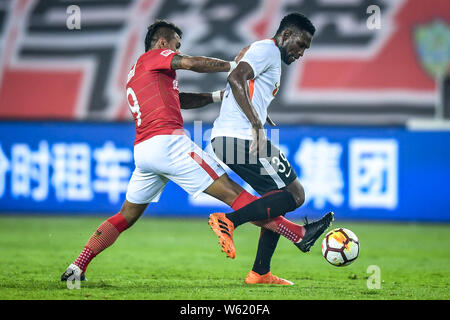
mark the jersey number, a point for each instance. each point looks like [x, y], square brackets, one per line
[281, 166]
[135, 107]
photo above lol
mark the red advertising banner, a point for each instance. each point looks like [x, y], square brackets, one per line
[368, 58]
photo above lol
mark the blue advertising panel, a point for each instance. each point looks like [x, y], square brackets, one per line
[359, 173]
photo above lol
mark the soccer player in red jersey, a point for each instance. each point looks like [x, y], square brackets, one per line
[163, 152]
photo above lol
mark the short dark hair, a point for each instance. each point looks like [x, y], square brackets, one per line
[160, 29]
[298, 20]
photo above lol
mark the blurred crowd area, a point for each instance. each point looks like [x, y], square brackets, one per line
[371, 62]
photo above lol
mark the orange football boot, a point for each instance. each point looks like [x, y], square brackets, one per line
[223, 228]
[268, 278]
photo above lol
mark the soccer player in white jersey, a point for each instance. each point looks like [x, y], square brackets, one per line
[238, 137]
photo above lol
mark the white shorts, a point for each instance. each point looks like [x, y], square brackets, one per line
[170, 157]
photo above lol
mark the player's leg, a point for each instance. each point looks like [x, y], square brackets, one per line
[212, 179]
[196, 172]
[104, 236]
[297, 191]
[255, 209]
[268, 240]
[269, 206]
[144, 186]
[235, 153]
[272, 229]
[225, 189]
[131, 212]
[279, 176]
[263, 177]
[311, 231]
[302, 236]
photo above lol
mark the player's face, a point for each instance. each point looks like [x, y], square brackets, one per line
[295, 46]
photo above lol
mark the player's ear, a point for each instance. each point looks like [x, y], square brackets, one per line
[286, 34]
[161, 43]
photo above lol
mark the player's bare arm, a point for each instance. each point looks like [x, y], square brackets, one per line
[200, 64]
[239, 86]
[205, 64]
[194, 100]
[197, 100]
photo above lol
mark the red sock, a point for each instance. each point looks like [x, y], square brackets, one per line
[243, 199]
[280, 224]
[284, 227]
[289, 230]
[105, 235]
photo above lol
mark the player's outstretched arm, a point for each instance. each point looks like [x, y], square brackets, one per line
[205, 64]
[201, 64]
[198, 100]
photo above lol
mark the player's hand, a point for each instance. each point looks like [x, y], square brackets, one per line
[222, 92]
[241, 54]
[270, 121]
[259, 140]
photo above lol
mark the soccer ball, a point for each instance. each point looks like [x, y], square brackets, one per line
[340, 247]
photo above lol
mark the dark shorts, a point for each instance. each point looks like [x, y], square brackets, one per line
[267, 171]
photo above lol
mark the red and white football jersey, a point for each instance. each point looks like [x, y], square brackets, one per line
[153, 97]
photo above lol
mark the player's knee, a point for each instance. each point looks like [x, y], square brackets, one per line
[299, 195]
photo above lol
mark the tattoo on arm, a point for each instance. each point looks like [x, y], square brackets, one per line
[204, 64]
[176, 62]
[199, 64]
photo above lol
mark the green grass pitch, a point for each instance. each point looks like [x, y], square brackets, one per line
[177, 259]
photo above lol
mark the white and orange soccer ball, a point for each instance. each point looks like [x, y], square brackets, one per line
[340, 247]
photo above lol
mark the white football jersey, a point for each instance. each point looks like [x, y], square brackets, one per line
[265, 59]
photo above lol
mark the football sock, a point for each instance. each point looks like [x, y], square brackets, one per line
[243, 199]
[268, 240]
[284, 227]
[270, 205]
[280, 224]
[270, 233]
[267, 244]
[105, 235]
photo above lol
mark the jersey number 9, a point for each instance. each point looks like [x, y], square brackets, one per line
[135, 107]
